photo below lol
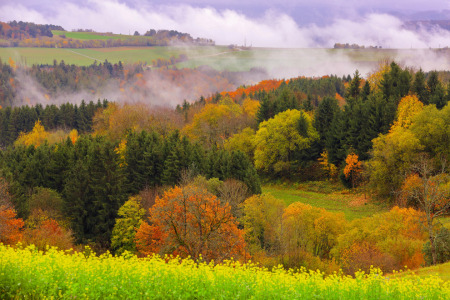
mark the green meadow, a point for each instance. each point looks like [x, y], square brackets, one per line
[84, 57]
[328, 196]
[88, 35]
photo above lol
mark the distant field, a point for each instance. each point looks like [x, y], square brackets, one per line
[83, 57]
[87, 35]
[352, 206]
[280, 63]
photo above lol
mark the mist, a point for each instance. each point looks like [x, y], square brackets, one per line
[156, 88]
[292, 48]
[272, 28]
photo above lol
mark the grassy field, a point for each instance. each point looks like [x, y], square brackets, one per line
[325, 195]
[87, 35]
[84, 57]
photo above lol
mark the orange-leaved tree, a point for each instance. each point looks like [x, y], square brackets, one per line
[10, 226]
[189, 221]
[353, 168]
[49, 233]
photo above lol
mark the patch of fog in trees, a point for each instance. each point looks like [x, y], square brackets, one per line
[291, 63]
[155, 87]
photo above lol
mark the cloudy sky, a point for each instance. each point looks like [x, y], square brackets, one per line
[283, 23]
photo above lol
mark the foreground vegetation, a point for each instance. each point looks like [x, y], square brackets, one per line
[26, 273]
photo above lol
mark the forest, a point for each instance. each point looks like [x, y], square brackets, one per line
[188, 181]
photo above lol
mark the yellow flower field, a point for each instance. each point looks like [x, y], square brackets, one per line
[31, 274]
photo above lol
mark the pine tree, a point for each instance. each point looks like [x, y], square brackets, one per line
[263, 113]
[335, 140]
[324, 115]
[106, 186]
[420, 88]
[365, 91]
[171, 172]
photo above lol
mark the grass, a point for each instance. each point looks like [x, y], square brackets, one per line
[441, 270]
[328, 196]
[88, 35]
[84, 57]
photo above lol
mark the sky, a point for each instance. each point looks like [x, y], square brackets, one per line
[264, 23]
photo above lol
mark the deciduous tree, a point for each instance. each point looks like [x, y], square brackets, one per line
[353, 168]
[191, 222]
[130, 217]
[10, 226]
[431, 192]
[279, 138]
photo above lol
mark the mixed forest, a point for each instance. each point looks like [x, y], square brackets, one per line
[128, 177]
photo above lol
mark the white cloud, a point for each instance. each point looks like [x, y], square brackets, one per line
[273, 29]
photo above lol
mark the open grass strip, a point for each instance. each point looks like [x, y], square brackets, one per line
[31, 274]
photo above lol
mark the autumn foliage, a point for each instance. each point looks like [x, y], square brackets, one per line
[265, 85]
[49, 233]
[190, 222]
[10, 226]
[390, 241]
[36, 137]
[353, 168]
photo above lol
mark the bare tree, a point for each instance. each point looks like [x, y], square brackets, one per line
[430, 189]
[233, 192]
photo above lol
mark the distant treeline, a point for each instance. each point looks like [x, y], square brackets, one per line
[26, 34]
[61, 77]
[25, 30]
[354, 46]
[14, 120]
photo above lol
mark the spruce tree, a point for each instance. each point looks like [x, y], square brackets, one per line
[419, 87]
[263, 113]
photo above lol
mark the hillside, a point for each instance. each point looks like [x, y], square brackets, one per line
[25, 34]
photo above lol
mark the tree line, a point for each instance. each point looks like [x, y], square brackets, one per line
[28, 34]
[14, 120]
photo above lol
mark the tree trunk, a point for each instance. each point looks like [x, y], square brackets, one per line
[432, 244]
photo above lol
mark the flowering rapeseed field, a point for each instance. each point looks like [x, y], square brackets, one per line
[31, 274]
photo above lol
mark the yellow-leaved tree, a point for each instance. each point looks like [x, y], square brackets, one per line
[279, 138]
[353, 168]
[408, 107]
[36, 137]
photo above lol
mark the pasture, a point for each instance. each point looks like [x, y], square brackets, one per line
[88, 35]
[280, 63]
[85, 57]
[328, 196]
